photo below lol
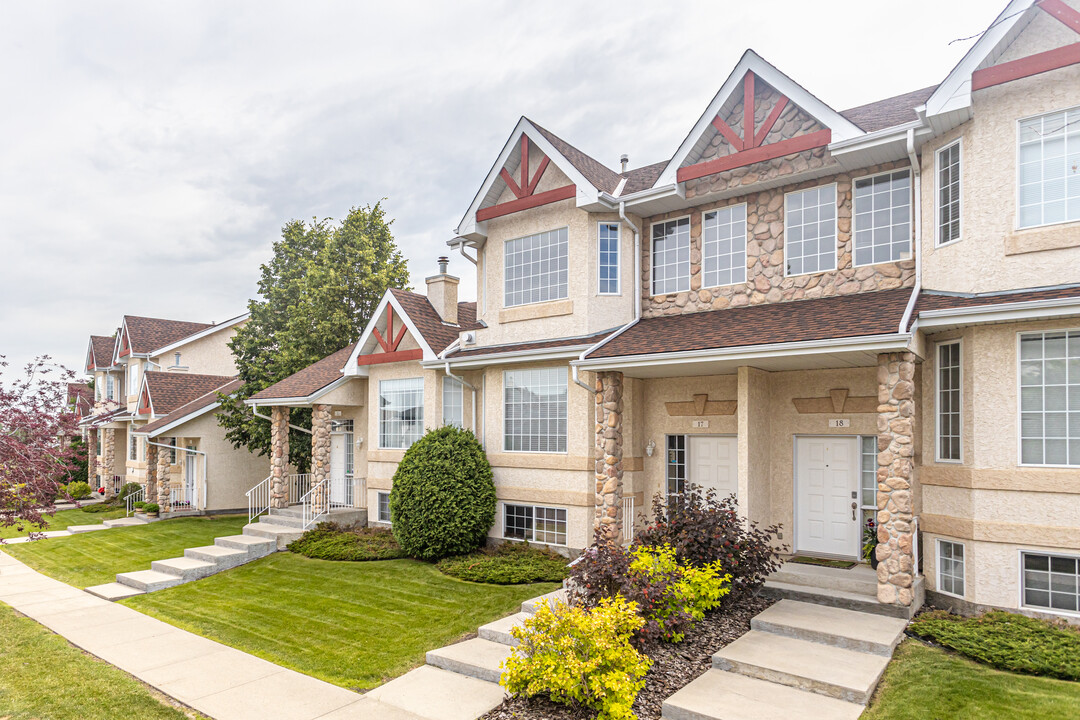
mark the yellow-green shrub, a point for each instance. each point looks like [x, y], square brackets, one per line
[580, 656]
[686, 593]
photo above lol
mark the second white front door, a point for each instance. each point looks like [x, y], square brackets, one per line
[338, 444]
[826, 495]
[714, 463]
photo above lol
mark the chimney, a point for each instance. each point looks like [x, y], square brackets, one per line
[442, 292]
[623, 159]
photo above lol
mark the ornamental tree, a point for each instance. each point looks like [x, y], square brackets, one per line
[34, 417]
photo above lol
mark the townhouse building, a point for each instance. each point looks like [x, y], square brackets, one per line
[837, 316]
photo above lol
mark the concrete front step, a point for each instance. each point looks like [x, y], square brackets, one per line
[834, 672]
[478, 658]
[281, 534]
[250, 544]
[113, 591]
[283, 520]
[719, 695]
[499, 631]
[148, 580]
[124, 522]
[77, 529]
[187, 569]
[529, 606]
[835, 598]
[859, 579]
[222, 557]
[848, 629]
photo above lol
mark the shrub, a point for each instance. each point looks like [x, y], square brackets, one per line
[704, 530]
[510, 563]
[330, 541]
[580, 656]
[127, 489]
[98, 508]
[1007, 641]
[151, 508]
[443, 499]
[139, 505]
[77, 490]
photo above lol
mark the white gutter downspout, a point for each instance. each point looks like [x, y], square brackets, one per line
[256, 413]
[480, 285]
[916, 243]
[442, 356]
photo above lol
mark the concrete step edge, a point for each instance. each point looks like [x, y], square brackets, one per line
[834, 598]
[719, 695]
[149, 580]
[476, 658]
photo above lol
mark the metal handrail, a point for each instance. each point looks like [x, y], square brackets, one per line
[628, 519]
[258, 499]
[139, 496]
[316, 502]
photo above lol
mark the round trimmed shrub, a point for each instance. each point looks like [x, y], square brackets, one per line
[76, 489]
[443, 499]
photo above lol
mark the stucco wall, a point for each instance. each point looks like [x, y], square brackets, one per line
[230, 472]
[209, 355]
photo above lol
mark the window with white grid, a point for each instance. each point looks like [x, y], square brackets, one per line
[724, 246]
[882, 217]
[948, 194]
[1049, 172]
[401, 412]
[534, 408]
[810, 230]
[110, 387]
[868, 474]
[950, 570]
[1051, 581]
[535, 523]
[1050, 398]
[453, 402]
[949, 396]
[608, 259]
[671, 256]
[676, 464]
[536, 268]
[384, 506]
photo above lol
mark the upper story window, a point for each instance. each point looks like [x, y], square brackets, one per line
[401, 412]
[948, 194]
[536, 268]
[810, 230]
[671, 256]
[133, 379]
[949, 396]
[453, 402]
[882, 221]
[99, 390]
[110, 387]
[724, 246]
[176, 359]
[534, 410]
[1049, 161]
[1050, 398]
[607, 259]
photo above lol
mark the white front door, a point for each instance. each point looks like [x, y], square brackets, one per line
[714, 463]
[826, 495]
[338, 444]
[191, 468]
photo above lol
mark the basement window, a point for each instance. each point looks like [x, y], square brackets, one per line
[1050, 582]
[534, 523]
[950, 568]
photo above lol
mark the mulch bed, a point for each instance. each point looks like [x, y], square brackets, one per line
[674, 666]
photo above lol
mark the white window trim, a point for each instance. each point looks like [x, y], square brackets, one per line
[618, 259]
[937, 566]
[959, 143]
[836, 230]
[505, 267]
[1020, 580]
[1019, 411]
[937, 400]
[502, 401]
[652, 265]
[746, 243]
[534, 506]
[378, 410]
[911, 215]
[1016, 179]
[378, 494]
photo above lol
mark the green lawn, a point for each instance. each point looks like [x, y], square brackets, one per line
[96, 557]
[63, 520]
[926, 683]
[42, 676]
[354, 624]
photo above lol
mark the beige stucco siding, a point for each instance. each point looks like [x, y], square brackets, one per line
[209, 355]
[230, 472]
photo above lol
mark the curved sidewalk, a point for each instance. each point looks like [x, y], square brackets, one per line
[218, 681]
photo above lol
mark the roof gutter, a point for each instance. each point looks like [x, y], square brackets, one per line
[916, 245]
[256, 413]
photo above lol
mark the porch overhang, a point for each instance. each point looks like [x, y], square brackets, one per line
[507, 358]
[949, 318]
[848, 352]
[301, 401]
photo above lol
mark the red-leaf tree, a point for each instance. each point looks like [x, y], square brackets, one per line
[34, 416]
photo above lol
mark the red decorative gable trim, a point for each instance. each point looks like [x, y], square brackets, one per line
[144, 403]
[525, 190]
[389, 357]
[390, 343]
[125, 349]
[1060, 11]
[1039, 62]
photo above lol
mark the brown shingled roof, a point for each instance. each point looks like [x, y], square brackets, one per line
[103, 347]
[203, 401]
[80, 397]
[437, 334]
[602, 177]
[891, 111]
[642, 178]
[874, 313]
[938, 300]
[523, 346]
[312, 378]
[170, 390]
[149, 334]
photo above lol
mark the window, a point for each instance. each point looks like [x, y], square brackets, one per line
[172, 452]
[401, 412]
[948, 194]
[724, 246]
[607, 259]
[882, 218]
[384, 507]
[1050, 581]
[949, 397]
[99, 390]
[99, 442]
[868, 473]
[534, 407]
[133, 380]
[1050, 169]
[453, 402]
[176, 359]
[536, 268]
[810, 230]
[133, 444]
[535, 524]
[1050, 398]
[110, 387]
[676, 464]
[950, 567]
[671, 256]
[345, 429]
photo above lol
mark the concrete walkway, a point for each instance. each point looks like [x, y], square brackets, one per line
[222, 682]
[77, 529]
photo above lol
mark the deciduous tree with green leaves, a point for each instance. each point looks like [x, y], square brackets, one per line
[316, 295]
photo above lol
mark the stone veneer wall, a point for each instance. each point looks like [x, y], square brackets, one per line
[765, 280]
[609, 455]
[150, 488]
[320, 452]
[108, 459]
[92, 457]
[279, 457]
[896, 452]
[164, 483]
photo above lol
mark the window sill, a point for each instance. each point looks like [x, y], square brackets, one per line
[1045, 237]
[535, 311]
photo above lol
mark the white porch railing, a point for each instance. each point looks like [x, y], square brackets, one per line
[299, 485]
[130, 500]
[183, 498]
[258, 499]
[330, 493]
[628, 519]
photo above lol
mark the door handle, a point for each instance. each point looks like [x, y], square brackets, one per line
[853, 507]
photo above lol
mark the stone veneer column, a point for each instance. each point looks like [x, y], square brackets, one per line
[108, 460]
[279, 457]
[150, 489]
[896, 450]
[320, 453]
[609, 455]
[164, 460]
[91, 458]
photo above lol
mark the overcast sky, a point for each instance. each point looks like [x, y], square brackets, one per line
[150, 152]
